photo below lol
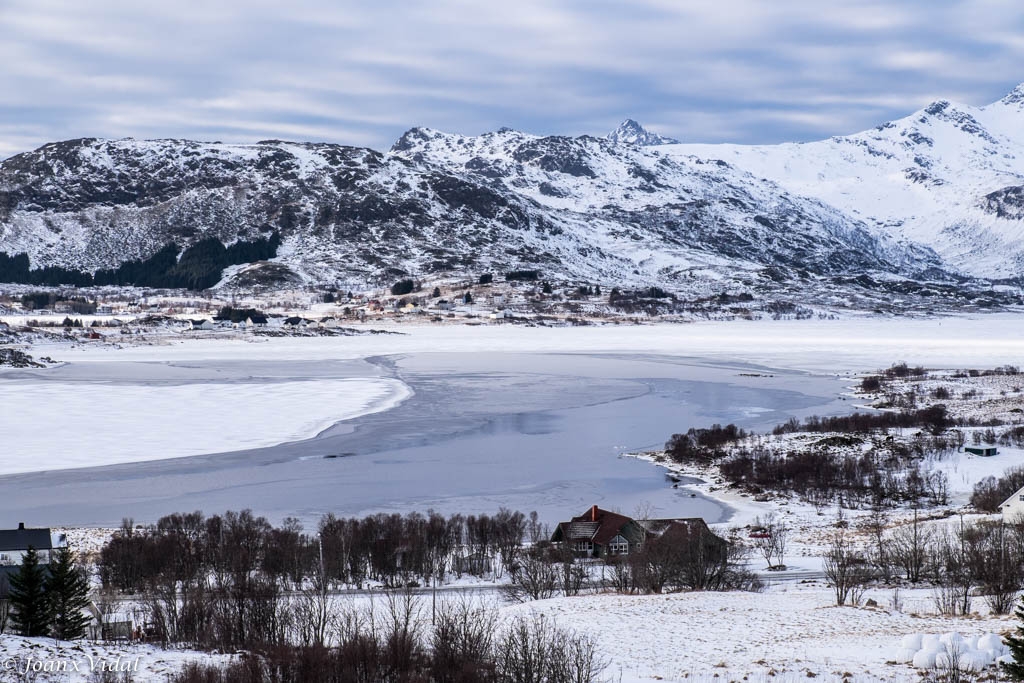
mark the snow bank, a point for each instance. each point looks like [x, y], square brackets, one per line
[61, 425]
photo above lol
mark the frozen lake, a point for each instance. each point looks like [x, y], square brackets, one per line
[480, 430]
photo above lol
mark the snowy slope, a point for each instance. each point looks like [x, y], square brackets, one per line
[575, 208]
[949, 176]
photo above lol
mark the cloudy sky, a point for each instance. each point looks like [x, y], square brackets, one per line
[363, 72]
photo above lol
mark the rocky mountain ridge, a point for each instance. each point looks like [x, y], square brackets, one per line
[627, 210]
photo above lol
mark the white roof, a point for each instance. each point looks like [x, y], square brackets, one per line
[1018, 492]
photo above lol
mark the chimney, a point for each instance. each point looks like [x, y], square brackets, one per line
[593, 513]
[21, 526]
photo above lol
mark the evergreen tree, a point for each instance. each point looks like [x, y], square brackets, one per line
[1016, 644]
[67, 592]
[31, 611]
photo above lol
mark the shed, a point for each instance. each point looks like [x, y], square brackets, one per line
[985, 451]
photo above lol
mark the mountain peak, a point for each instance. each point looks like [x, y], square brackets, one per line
[1016, 96]
[630, 132]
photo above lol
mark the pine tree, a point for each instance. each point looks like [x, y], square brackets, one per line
[67, 592]
[1016, 644]
[31, 613]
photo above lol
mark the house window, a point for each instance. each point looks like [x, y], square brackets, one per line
[583, 546]
[618, 546]
[1022, 496]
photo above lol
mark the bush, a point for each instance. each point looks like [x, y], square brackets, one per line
[486, 278]
[902, 371]
[703, 445]
[871, 384]
[402, 287]
[934, 418]
[522, 275]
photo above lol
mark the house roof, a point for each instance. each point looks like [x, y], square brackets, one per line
[597, 525]
[660, 526]
[1018, 492]
[258, 319]
[22, 539]
[601, 526]
[682, 528]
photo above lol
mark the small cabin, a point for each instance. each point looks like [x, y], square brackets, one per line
[985, 451]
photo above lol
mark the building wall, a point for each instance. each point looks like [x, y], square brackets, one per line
[1013, 509]
[15, 557]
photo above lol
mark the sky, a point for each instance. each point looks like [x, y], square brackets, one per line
[361, 73]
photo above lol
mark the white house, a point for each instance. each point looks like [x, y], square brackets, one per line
[1013, 507]
[200, 325]
[498, 315]
[14, 543]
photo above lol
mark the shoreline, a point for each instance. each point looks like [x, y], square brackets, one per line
[473, 435]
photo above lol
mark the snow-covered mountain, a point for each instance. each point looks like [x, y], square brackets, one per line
[575, 208]
[630, 132]
[949, 177]
[929, 201]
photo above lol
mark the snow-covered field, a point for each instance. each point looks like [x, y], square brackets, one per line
[43, 659]
[61, 425]
[788, 632]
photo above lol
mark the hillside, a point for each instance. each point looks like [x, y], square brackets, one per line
[920, 207]
[949, 177]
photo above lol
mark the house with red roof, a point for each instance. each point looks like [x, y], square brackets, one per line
[602, 533]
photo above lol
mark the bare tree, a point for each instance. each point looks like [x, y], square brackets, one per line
[771, 543]
[532, 577]
[535, 650]
[846, 569]
[313, 612]
[462, 642]
[876, 525]
[909, 548]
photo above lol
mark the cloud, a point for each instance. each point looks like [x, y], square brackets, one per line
[361, 73]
